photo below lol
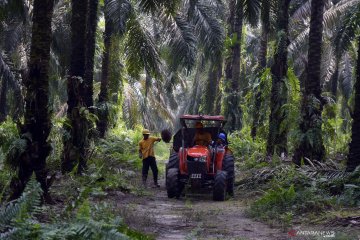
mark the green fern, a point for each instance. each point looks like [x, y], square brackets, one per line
[18, 220]
[22, 208]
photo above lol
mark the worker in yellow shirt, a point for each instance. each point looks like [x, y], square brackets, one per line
[146, 152]
[201, 137]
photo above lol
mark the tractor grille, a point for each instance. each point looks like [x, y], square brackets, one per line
[196, 167]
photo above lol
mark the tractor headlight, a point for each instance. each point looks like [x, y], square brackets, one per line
[202, 159]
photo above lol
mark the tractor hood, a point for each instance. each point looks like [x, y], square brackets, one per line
[198, 151]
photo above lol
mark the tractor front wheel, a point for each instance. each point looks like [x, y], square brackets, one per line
[173, 161]
[219, 191]
[173, 186]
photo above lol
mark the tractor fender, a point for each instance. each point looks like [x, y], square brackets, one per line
[221, 152]
[183, 152]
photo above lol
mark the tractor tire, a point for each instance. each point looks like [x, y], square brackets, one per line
[173, 185]
[173, 161]
[219, 191]
[229, 167]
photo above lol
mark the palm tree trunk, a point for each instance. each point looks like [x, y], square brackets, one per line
[37, 124]
[212, 88]
[74, 146]
[232, 109]
[277, 138]
[335, 77]
[18, 106]
[3, 101]
[354, 146]
[195, 97]
[102, 124]
[265, 19]
[218, 95]
[90, 52]
[311, 145]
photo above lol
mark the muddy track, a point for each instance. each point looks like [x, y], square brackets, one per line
[194, 216]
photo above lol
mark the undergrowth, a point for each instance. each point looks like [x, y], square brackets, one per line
[296, 193]
[85, 211]
[24, 219]
[282, 194]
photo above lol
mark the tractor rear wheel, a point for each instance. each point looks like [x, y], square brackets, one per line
[219, 191]
[229, 167]
[173, 185]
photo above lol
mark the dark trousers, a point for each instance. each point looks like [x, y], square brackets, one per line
[150, 162]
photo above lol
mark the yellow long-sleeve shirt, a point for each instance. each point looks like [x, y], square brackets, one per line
[147, 147]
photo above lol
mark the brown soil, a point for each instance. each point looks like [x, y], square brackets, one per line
[194, 216]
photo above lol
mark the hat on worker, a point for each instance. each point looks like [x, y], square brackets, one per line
[146, 132]
[222, 137]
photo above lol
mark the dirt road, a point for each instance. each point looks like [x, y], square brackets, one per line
[194, 216]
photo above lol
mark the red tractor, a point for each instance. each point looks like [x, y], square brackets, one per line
[197, 165]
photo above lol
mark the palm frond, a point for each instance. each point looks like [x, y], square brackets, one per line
[346, 78]
[328, 64]
[209, 29]
[218, 6]
[119, 12]
[141, 51]
[61, 41]
[331, 16]
[12, 36]
[13, 9]
[182, 42]
[347, 29]
[5, 70]
[251, 11]
[152, 6]
[329, 170]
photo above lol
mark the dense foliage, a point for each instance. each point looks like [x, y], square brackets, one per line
[80, 80]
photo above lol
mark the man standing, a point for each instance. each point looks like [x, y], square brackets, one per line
[146, 152]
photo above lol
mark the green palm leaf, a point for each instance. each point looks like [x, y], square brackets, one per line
[5, 70]
[251, 11]
[119, 12]
[331, 16]
[152, 6]
[182, 42]
[209, 29]
[140, 51]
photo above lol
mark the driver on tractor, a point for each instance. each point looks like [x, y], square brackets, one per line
[201, 137]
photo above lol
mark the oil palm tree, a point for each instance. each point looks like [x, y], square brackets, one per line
[103, 96]
[354, 146]
[299, 32]
[37, 124]
[262, 61]
[238, 11]
[346, 34]
[74, 146]
[311, 143]
[277, 138]
[92, 20]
